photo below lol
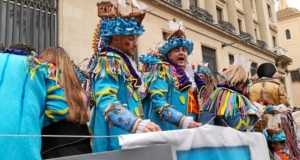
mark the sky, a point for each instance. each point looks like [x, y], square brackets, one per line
[291, 3]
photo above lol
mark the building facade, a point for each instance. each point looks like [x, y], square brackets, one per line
[288, 19]
[211, 24]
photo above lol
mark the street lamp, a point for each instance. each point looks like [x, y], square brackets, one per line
[241, 40]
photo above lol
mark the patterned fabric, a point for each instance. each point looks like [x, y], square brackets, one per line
[112, 82]
[229, 103]
[31, 99]
[167, 87]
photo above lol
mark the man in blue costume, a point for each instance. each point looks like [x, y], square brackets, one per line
[173, 86]
[115, 82]
[30, 98]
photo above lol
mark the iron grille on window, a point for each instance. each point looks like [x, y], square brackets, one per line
[32, 22]
[209, 56]
[253, 68]
[295, 76]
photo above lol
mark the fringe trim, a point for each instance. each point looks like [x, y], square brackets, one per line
[226, 102]
[110, 63]
[34, 63]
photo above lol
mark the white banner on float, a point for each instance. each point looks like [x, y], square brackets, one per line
[204, 143]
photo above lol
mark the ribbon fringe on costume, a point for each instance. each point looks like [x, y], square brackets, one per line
[112, 64]
[227, 102]
[34, 63]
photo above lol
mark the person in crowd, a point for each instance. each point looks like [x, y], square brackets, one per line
[115, 81]
[76, 121]
[229, 105]
[31, 98]
[173, 86]
[276, 140]
[211, 84]
[268, 92]
[2, 48]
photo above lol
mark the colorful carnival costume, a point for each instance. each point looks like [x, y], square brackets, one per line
[115, 83]
[30, 98]
[229, 105]
[173, 101]
[276, 142]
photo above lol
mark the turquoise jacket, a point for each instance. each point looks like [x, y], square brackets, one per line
[112, 82]
[166, 89]
[30, 99]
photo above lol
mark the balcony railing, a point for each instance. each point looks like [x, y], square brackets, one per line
[245, 35]
[280, 51]
[262, 44]
[227, 26]
[175, 2]
[201, 13]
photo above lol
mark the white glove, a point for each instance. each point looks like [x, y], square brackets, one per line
[187, 122]
[142, 125]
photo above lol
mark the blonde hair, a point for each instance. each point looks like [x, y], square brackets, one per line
[211, 83]
[70, 82]
[236, 75]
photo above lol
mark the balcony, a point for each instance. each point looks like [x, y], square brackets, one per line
[176, 3]
[227, 26]
[262, 44]
[280, 51]
[202, 14]
[245, 35]
[283, 58]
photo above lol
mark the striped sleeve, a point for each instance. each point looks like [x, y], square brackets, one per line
[56, 104]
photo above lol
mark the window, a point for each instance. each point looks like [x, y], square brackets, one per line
[209, 56]
[29, 22]
[231, 59]
[274, 41]
[295, 76]
[256, 35]
[165, 35]
[253, 68]
[219, 13]
[240, 24]
[269, 11]
[194, 3]
[288, 34]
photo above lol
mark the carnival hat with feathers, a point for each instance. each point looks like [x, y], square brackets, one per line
[114, 23]
[203, 68]
[176, 39]
[274, 134]
[152, 56]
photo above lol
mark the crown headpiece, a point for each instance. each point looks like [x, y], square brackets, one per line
[176, 39]
[114, 23]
